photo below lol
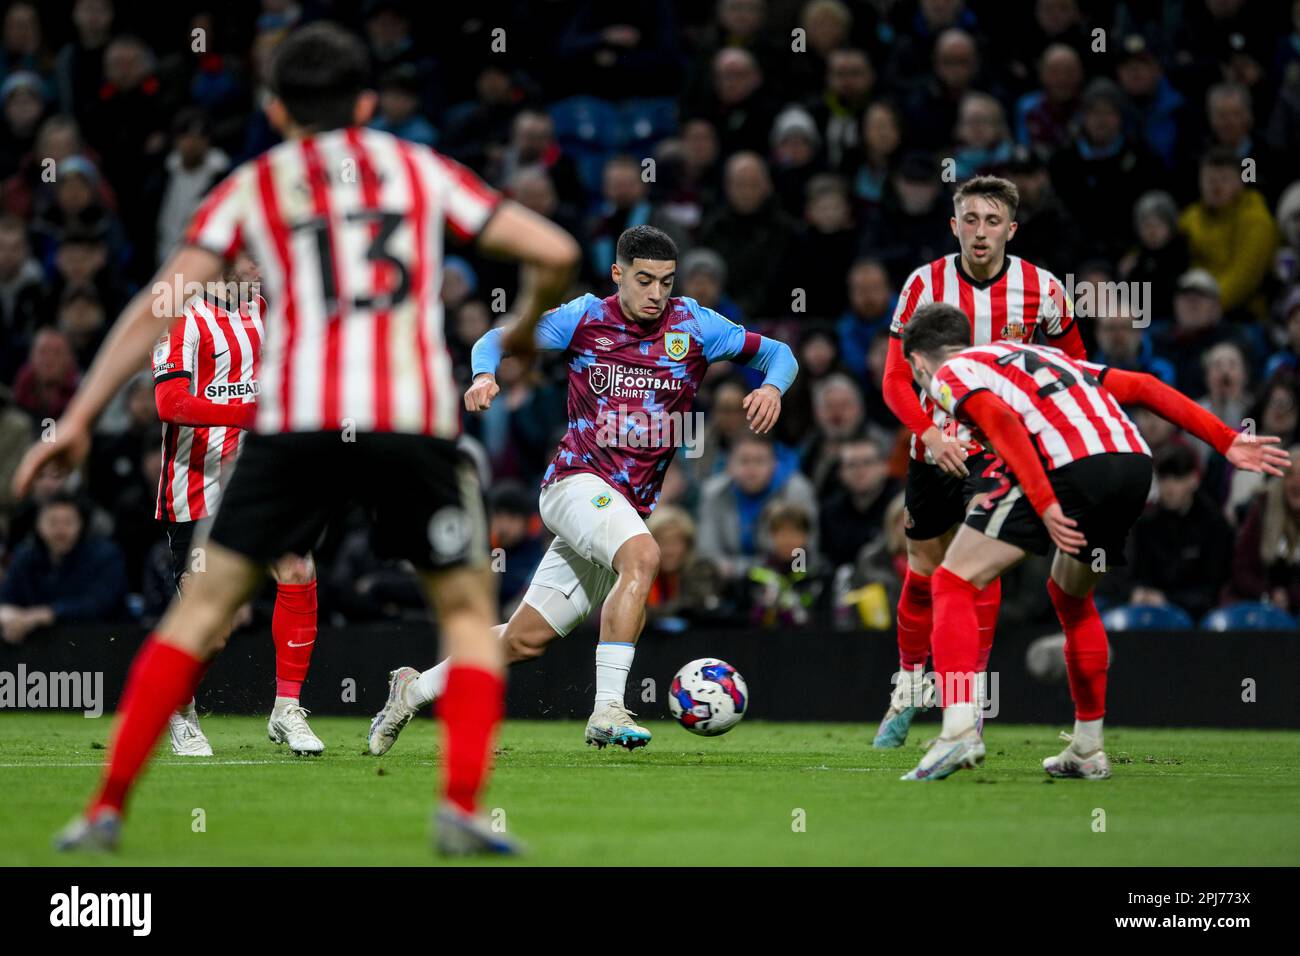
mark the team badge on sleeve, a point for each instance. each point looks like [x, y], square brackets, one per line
[677, 344]
[945, 396]
[161, 349]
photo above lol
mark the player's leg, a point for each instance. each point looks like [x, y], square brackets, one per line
[1086, 659]
[933, 508]
[184, 733]
[1105, 494]
[973, 561]
[293, 629]
[564, 590]
[636, 564]
[428, 510]
[163, 675]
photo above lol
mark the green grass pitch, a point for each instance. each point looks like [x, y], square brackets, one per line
[768, 794]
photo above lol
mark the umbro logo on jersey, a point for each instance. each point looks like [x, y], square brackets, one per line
[604, 343]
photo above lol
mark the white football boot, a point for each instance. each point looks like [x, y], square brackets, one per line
[288, 725]
[947, 755]
[98, 834]
[1071, 762]
[457, 833]
[397, 713]
[187, 738]
[611, 723]
[913, 691]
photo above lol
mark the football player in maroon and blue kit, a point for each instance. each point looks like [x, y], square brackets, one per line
[636, 360]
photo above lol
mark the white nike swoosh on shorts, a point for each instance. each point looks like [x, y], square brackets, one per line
[304, 644]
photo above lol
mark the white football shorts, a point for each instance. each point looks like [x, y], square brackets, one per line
[591, 520]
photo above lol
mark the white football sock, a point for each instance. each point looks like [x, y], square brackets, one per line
[613, 661]
[1087, 736]
[187, 710]
[957, 719]
[281, 703]
[428, 687]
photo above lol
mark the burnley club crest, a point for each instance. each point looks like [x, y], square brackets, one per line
[677, 344]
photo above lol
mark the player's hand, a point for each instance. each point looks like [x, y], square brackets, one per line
[67, 445]
[762, 408]
[1064, 531]
[949, 455]
[479, 395]
[1257, 453]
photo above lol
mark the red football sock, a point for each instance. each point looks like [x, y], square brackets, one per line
[915, 621]
[293, 628]
[1086, 651]
[470, 708]
[162, 678]
[987, 604]
[956, 636]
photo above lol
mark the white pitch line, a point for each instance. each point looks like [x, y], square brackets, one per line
[167, 763]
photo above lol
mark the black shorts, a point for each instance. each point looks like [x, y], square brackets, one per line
[421, 494]
[1105, 494]
[936, 502]
[181, 536]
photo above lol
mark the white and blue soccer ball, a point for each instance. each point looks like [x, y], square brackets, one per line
[708, 697]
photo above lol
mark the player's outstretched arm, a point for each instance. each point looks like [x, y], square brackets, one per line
[550, 257]
[554, 330]
[121, 356]
[1248, 452]
[763, 405]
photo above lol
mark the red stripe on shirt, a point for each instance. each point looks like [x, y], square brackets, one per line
[1049, 409]
[370, 197]
[419, 279]
[204, 368]
[280, 243]
[1029, 280]
[334, 321]
[937, 268]
[998, 306]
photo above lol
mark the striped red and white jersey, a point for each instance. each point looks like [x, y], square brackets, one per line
[347, 227]
[1021, 300]
[1063, 402]
[219, 352]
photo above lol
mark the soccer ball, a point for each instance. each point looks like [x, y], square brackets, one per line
[708, 697]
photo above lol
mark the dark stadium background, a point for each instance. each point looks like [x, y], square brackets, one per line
[605, 115]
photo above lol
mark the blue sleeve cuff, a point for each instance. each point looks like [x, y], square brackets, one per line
[777, 362]
[486, 354]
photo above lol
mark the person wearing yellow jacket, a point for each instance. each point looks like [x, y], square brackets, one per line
[1231, 234]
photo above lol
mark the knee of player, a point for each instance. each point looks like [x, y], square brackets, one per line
[295, 570]
[524, 647]
[639, 559]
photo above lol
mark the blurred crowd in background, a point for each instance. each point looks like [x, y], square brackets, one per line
[802, 153]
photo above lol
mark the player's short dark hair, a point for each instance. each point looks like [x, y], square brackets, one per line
[935, 327]
[645, 242]
[995, 188]
[318, 73]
